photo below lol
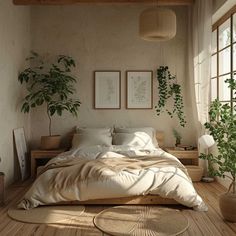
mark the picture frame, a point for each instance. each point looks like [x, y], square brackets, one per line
[22, 151]
[107, 90]
[139, 89]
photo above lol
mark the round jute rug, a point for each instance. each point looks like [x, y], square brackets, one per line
[48, 214]
[141, 221]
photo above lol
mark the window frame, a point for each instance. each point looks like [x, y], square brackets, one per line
[229, 15]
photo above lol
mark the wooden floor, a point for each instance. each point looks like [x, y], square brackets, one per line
[201, 223]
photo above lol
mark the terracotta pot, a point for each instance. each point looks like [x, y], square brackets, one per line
[228, 206]
[50, 142]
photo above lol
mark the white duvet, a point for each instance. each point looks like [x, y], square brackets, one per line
[63, 178]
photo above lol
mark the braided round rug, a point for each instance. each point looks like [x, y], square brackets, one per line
[48, 214]
[141, 221]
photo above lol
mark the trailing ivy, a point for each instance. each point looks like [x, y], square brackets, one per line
[169, 89]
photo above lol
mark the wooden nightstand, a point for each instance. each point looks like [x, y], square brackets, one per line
[42, 155]
[186, 157]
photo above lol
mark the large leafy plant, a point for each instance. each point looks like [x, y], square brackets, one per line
[222, 126]
[51, 84]
[169, 90]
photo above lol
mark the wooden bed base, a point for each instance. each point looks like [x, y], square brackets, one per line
[137, 200]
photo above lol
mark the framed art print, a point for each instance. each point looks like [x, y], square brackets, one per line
[107, 89]
[139, 90]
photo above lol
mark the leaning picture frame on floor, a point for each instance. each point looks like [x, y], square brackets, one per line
[22, 151]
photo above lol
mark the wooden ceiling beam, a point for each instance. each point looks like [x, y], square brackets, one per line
[70, 2]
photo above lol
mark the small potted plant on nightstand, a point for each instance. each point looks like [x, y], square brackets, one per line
[222, 127]
[177, 136]
[50, 84]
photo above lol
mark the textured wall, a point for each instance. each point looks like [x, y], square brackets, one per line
[217, 4]
[14, 46]
[105, 37]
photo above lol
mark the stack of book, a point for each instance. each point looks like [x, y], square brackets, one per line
[184, 147]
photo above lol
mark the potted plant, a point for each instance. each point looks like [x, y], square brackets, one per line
[222, 126]
[169, 92]
[49, 84]
[177, 136]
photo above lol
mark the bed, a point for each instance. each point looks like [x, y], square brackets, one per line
[124, 167]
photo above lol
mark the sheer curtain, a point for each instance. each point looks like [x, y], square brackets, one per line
[200, 28]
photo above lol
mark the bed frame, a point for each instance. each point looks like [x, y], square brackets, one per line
[135, 200]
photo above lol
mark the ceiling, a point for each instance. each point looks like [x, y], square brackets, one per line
[70, 2]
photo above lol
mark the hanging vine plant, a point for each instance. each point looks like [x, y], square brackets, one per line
[169, 90]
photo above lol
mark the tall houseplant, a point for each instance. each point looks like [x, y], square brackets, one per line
[169, 90]
[49, 84]
[222, 126]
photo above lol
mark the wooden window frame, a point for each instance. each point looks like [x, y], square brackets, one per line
[222, 20]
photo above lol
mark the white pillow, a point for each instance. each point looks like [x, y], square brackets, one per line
[136, 139]
[84, 130]
[148, 130]
[91, 139]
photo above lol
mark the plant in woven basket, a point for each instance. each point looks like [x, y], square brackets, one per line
[222, 126]
[169, 91]
[49, 84]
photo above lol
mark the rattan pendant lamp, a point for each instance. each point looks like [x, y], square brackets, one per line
[157, 24]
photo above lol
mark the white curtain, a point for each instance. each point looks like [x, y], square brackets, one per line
[199, 64]
[201, 24]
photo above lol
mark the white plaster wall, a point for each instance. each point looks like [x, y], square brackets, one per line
[217, 4]
[105, 37]
[14, 46]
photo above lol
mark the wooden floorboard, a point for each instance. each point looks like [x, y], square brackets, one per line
[200, 223]
[211, 193]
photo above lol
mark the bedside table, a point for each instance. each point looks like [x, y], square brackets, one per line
[184, 156]
[42, 155]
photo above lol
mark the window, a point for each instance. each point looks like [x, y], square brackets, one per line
[223, 60]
